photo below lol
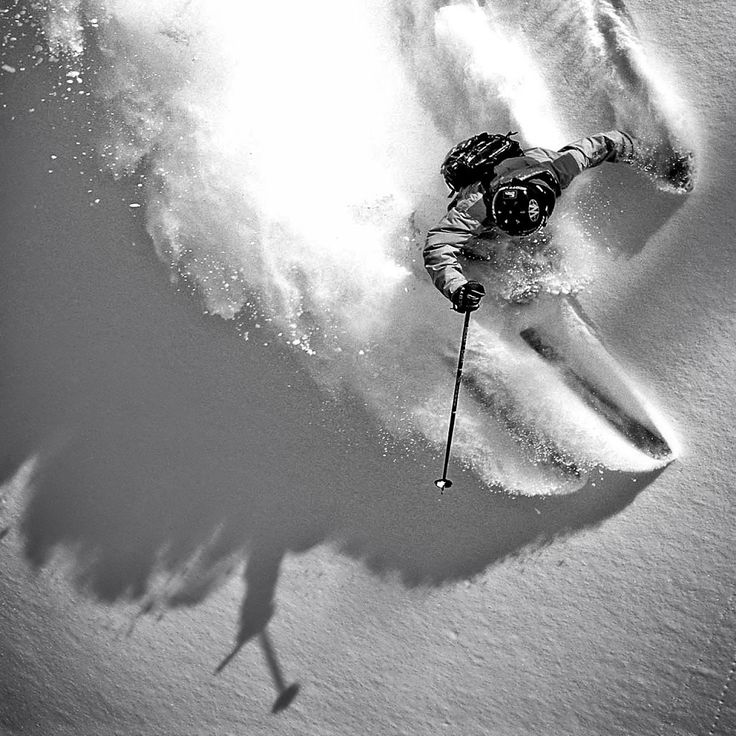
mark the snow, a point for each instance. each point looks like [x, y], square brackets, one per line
[173, 494]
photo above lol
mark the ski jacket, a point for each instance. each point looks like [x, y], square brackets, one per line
[468, 219]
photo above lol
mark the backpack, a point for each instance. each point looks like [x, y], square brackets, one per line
[475, 159]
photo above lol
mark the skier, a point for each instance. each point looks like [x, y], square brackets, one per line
[514, 191]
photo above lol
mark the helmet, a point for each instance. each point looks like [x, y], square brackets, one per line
[522, 207]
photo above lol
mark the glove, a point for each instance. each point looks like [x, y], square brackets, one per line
[679, 172]
[671, 168]
[467, 297]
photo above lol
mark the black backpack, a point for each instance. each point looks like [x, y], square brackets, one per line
[475, 159]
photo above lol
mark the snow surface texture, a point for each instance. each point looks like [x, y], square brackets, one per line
[283, 163]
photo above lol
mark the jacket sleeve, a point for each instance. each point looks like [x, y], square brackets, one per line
[446, 239]
[585, 153]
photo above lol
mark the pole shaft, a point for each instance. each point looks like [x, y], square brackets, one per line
[458, 377]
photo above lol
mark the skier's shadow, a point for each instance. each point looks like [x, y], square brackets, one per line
[177, 446]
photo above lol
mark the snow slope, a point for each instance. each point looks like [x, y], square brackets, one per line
[158, 466]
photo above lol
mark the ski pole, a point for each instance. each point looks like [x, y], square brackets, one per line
[444, 481]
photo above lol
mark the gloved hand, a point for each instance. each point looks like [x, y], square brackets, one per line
[679, 172]
[671, 168]
[467, 297]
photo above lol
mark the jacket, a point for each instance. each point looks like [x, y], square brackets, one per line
[468, 218]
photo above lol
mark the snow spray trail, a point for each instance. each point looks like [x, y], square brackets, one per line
[289, 158]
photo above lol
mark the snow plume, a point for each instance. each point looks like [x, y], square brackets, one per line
[267, 173]
[643, 98]
[289, 155]
[498, 57]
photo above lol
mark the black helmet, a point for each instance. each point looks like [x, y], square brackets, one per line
[522, 207]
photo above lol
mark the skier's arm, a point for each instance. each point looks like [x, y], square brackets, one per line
[446, 239]
[585, 153]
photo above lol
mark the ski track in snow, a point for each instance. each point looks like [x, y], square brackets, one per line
[294, 197]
